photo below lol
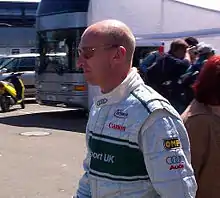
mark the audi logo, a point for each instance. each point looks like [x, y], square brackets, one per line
[176, 159]
[102, 101]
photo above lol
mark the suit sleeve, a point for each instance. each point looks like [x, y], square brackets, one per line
[165, 145]
[199, 143]
[84, 186]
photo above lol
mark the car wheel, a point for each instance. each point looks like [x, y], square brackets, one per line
[4, 103]
[22, 105]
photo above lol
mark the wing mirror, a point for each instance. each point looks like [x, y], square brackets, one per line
[3, 70]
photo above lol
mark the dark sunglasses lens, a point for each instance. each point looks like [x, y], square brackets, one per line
[86, 53]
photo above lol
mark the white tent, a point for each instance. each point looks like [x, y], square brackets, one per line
[153, 21]
[159, 20]
[181, 18]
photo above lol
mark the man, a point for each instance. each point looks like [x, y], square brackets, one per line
[170, 68]
[204, 51]
[137, 143]
[192, 43]
[172, 65]
[151, 58]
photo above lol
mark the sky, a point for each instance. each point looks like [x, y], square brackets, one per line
[210, 4]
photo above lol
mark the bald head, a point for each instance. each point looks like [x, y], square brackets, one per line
[116, 33]
[106, 51]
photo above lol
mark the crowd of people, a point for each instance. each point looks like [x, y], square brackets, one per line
[138, 144]
[192, 69]
[173, 73]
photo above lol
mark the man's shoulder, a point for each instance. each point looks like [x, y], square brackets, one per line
[148, 99]
[171, 58]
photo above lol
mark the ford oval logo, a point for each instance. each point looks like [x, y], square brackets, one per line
[120, 114]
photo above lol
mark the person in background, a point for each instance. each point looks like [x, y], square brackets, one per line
[164, 76]
[192, 43]
[149, 61]
[137, 143]
[155, 55]
[202, 121]
[151, 58]
[205, 51]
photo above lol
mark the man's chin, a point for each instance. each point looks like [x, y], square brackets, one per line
[90, 81]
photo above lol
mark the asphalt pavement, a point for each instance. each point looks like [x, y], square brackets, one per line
[41, 152]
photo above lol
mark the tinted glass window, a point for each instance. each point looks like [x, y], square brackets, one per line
[27, 64]
[11, 65]
[58, 50]
[47, 7]
[2, 60]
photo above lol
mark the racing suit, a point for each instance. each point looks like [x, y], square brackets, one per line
[137, 146]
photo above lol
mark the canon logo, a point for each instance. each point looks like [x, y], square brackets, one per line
[117, 127]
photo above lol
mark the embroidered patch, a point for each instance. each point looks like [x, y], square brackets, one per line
[171, 143]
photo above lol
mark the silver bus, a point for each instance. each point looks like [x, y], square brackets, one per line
[60, 25]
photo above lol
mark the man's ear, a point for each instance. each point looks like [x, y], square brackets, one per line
[120, 54]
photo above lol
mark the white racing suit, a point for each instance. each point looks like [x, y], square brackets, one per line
[137, 146]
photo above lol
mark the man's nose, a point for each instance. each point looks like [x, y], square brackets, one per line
[80, 62]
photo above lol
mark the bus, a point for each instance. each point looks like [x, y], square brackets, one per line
[59, 28]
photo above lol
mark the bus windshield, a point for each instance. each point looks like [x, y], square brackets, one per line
[58, 50]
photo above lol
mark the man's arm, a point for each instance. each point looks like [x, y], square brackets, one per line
[84, 189]
[187, 56]
[165, 145]
[182, 65]
[84, 186]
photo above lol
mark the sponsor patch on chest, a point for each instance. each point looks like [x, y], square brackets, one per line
[116, 126]
[119, 113]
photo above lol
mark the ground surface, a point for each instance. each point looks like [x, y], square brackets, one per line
[41, 167]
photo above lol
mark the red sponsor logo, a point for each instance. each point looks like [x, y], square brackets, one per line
[117, 127]
[175, 167]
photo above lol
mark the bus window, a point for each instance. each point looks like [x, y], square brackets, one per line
[58, 50]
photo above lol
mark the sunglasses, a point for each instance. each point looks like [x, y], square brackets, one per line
[88, 52]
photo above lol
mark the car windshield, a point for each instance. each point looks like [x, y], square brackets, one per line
[2, 60]
[5, 62]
